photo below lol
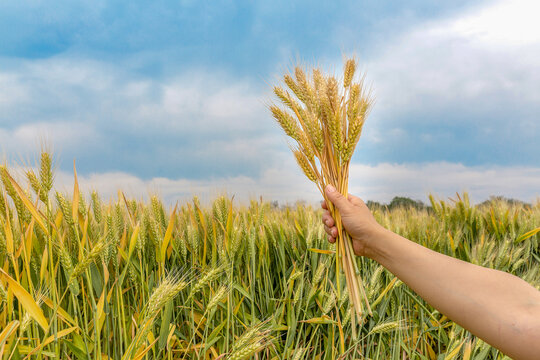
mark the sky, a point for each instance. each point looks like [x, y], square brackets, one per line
[170, 97]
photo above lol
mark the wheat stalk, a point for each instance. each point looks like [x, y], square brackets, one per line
[325, 118]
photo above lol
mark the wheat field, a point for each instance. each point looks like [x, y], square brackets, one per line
[83, 278]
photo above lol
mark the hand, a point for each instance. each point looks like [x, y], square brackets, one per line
[356, 218]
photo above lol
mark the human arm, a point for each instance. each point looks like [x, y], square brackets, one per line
[500, 308]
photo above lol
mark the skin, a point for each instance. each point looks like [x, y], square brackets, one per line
[497, 307]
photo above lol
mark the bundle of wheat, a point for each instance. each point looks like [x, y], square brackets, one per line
[325, 118]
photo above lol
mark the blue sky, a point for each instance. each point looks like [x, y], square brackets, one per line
[174, 92]
[244, 36]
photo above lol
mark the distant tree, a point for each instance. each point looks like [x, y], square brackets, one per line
[372, 205]
[401, 201]
[492, 199]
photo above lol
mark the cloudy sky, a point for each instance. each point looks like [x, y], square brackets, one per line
[170, 97]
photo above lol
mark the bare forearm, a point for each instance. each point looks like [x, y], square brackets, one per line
[497, 307]
[500, 308]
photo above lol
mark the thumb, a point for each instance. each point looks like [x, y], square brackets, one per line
[340, 201]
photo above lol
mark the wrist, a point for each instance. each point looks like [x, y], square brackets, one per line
[377, 244]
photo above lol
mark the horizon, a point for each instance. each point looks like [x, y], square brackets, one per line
[110, 191]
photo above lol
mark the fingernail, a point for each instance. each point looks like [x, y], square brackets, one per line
[327, 222]
[334, 233]
[330, 188]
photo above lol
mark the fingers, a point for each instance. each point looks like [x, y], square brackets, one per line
[327, 219]
[332, 231]
[329, 223]
[342, 203]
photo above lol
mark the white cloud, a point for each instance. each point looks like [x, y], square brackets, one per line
[476, 60]
[83, 107]
[28, 138]
[11, 91]
[211, 99]
[98, 91]
[506, 23]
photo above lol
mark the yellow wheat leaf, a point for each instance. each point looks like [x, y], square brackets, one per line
[7, 230]
[35, 213]
[50, 339]
[84, 237]
[130, 215]
[527, 235]
[230, 218]
[170, 337]
[44, 262]
[383, 293]
[451, 241]
[168, 234]
[26, 300]
[133, 241]
[29, 244]
[140, 355]
[431, 353]
[75, 208]
[7, 332]
[26, 247]
[123, 239]
[320, 251]
[467, 350]
[452, 354]
[62, 314]
[205, 233]
[100, 312]
[58, 220]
